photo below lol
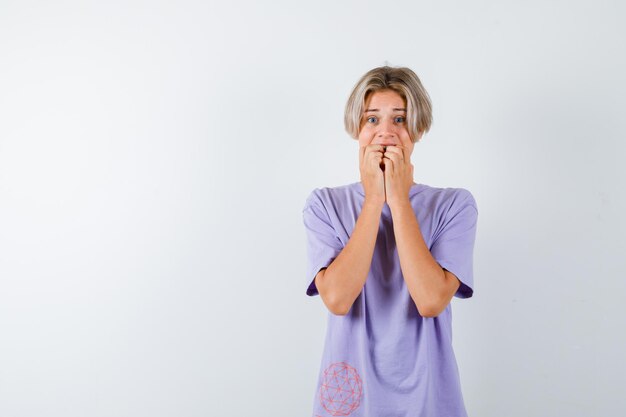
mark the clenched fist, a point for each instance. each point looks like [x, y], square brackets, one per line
[370, 165]
[398, 173]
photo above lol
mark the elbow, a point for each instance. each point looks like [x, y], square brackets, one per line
[429, 313]
[430, 310]
[337, 306]
[431, 306]
[340, 309]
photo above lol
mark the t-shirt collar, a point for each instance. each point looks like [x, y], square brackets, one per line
[415, 188]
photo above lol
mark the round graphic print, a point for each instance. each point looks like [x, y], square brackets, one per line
[341, 389]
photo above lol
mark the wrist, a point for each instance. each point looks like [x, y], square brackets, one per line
[376, 203]
[399, 205]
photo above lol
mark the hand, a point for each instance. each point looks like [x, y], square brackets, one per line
[370, 160]
[398, 175]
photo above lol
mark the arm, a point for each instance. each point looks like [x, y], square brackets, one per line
[341, 283]
[431, 287]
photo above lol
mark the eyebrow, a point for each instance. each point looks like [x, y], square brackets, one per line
[397, 109]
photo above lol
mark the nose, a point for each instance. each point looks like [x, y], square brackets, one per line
[386, 134]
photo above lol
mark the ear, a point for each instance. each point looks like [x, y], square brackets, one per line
[419, 135]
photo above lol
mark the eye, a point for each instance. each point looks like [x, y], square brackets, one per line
[371, 119]
[400, 119]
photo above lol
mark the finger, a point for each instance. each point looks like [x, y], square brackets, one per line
[374, 162]
[396, 150]
[395, 157]
[374, 156]
[405, 157]
[365, 153]
[374, 151]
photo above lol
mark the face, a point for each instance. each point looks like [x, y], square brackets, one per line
[384, 121]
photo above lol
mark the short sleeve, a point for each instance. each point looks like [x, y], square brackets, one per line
[453, 246]
[323, 244]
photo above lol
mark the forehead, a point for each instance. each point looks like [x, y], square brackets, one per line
[381, 98]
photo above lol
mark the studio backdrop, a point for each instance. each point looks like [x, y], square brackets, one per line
[155, 158]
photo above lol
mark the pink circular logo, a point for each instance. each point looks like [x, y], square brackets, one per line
[341, 389]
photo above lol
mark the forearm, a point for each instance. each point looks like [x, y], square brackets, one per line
[424, 277]
[345, 277]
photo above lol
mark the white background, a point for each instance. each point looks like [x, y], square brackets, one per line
[155, 158]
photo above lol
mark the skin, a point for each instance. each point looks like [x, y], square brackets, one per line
[387, 177]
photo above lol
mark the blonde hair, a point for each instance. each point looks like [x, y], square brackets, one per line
[403, 81]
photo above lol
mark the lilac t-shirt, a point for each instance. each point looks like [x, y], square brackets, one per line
[383, 359]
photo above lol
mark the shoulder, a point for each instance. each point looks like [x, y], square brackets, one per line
[330, 196]
[448, 198]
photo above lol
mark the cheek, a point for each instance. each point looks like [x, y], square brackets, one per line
[406, 141]
[365, 136]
